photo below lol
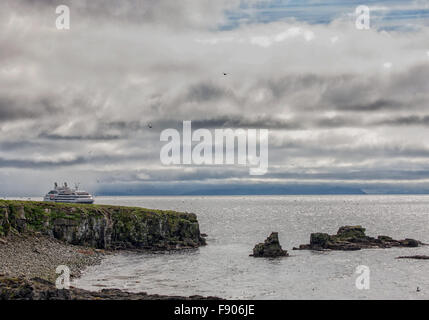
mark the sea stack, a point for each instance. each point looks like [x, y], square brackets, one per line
[353, 238]
[270, 248]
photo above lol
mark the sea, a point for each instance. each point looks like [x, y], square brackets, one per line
[234, 224]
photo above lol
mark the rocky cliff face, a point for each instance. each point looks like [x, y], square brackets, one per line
[102, 226]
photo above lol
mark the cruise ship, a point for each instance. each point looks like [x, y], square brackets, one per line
[67, 194]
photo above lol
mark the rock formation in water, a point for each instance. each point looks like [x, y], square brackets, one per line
[270, 248]
[418, 257]
[353, 238]
[102, 226]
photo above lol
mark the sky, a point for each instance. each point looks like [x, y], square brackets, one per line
[346, 109]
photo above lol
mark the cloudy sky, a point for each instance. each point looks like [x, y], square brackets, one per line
[345, 107]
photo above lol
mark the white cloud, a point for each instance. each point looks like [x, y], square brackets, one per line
[96, 87]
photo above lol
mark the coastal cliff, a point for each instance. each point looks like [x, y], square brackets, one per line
[102, 226]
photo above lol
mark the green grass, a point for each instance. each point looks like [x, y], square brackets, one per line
[39, 214]
[38, 207]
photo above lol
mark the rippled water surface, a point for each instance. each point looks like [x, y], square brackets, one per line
[235, 224]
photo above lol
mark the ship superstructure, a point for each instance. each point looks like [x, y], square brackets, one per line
[70, 195]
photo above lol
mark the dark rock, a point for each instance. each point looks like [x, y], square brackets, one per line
[343, 246]
[351, 232]
[270, 248]
[414, 257]
[40, 289]
[319, 240]
[409, 243]
[384, 238]
[353, 238]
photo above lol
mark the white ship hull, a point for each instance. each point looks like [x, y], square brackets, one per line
[90, 200]
[68, 195]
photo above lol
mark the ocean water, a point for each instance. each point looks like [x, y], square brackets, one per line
[235, 224]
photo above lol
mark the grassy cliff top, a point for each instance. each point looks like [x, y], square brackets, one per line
[77, 210]
[88, 208]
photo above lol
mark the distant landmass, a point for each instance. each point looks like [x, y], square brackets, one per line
[232, 189]
[277, 190]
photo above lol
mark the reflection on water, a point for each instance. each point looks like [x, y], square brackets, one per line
[235, 224]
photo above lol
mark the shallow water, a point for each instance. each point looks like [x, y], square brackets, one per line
[235, 224]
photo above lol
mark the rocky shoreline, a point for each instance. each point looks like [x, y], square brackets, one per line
[41, 289]
[37, 237]
[36, 255]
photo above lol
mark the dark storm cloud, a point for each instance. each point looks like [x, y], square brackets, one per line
[298, 82]
[79, 137]
[377, 105]
[337, 122]
[405, 121]
[400, 91]
[19, 145]
[14, 108]
[88, 159]
[35, 164]
[123, 125]
[207, 92]
[300, 123]
[348, 150]
[246, 122]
